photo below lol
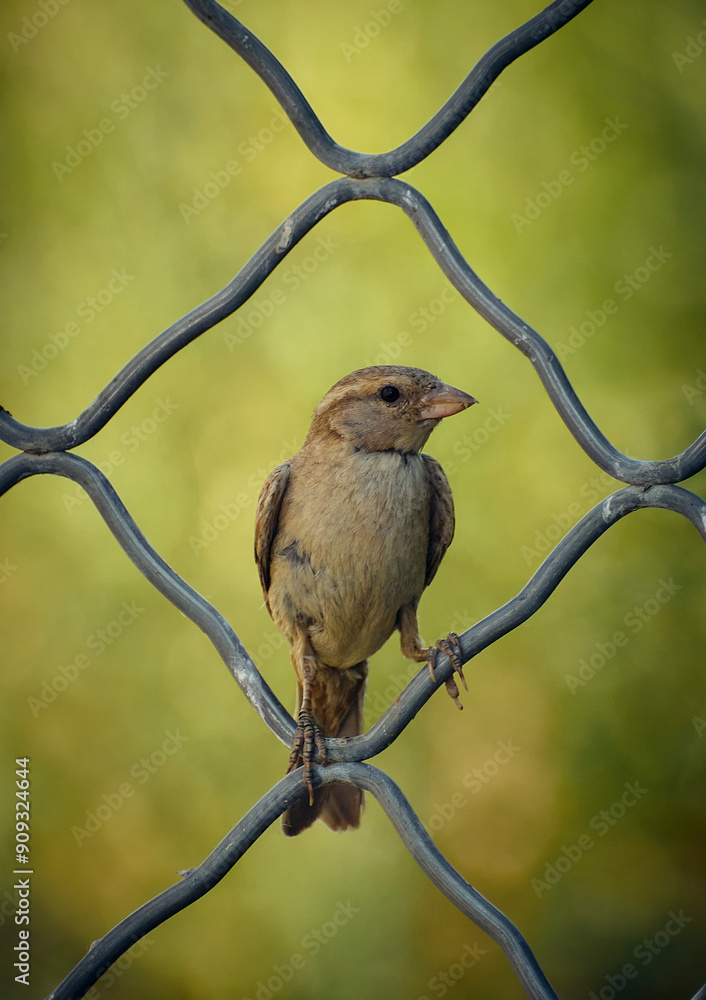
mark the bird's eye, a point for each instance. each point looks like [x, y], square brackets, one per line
[389, 394]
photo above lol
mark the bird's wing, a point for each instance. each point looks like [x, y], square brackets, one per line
[267, 518]
[441, 517]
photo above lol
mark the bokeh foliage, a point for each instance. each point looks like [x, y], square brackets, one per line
[205, 430]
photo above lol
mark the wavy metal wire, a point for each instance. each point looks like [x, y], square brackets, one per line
[367, 176]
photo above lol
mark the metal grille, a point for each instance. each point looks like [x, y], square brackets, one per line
[651, 484]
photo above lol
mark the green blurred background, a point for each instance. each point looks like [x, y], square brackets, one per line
[206, 429]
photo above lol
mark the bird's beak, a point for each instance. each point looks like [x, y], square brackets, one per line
[444, 401]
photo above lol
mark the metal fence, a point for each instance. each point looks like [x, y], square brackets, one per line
[651, 484]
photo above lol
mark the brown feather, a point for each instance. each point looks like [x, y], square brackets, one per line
[267, 519]
[442, 521]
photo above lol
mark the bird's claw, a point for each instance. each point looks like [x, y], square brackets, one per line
[451, 646]
[307, 739]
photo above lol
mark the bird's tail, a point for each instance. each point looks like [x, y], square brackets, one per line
[337, 705]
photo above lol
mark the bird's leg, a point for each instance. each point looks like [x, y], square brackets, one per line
[451, 645]
[307, 736]
[414, 649]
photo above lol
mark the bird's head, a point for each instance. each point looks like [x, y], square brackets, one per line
[386, 408]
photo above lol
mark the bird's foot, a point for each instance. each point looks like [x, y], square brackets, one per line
[451, 645]
[308, 738]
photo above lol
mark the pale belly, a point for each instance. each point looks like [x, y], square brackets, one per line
[350, 570]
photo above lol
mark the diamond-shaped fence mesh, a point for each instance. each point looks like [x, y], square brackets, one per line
[648, 484]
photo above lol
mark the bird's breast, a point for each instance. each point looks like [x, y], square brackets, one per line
[351, 550]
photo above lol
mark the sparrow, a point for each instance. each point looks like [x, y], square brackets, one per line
[348, 534]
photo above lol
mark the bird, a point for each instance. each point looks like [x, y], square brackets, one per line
[348, 534]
